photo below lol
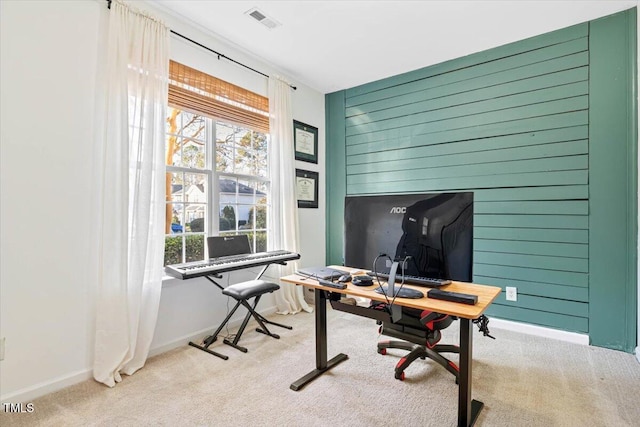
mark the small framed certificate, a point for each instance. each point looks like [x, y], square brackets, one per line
[307, 188]
[305, 141]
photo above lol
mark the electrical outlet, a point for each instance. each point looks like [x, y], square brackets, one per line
[2, 348]
[512, 293]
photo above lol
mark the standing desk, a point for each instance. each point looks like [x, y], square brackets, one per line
[468, 409]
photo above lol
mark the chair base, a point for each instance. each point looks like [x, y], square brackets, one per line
[206, 349]
[420, 351]
[242, 293]
[261, 320]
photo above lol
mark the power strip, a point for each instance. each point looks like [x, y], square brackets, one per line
[452, 296]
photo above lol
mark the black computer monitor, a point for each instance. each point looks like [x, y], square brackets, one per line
[434, 229]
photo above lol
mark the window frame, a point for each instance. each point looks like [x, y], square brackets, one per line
[213, 177]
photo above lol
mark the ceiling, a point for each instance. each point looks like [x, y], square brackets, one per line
[334, 45]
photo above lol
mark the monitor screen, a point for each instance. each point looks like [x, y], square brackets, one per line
[435, 230]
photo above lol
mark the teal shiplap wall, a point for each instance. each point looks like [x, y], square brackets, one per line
[514, 124]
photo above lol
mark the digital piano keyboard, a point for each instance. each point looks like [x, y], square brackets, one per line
[214, 266]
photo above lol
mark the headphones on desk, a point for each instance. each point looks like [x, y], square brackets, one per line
[363, 280]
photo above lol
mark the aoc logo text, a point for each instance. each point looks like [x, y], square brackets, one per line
[398, 209]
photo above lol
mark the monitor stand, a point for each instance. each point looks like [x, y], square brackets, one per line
[390, 291]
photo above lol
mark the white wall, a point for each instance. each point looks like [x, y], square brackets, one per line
[51, 57]
[48, 80]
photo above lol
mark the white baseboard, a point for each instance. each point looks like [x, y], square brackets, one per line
[28, 394]
[638, 353]
[540, 331]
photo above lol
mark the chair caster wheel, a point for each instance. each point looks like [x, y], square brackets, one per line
[400, 376]
[382, 351]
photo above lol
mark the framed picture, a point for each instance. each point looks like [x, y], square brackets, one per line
[305, 141]
[307, 188]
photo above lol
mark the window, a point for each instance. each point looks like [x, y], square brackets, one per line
[202, 153]
[186, 188]
[217, 172]
[242, 183]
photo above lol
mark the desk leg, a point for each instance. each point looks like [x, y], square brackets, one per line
[468, 410]
[321, 344]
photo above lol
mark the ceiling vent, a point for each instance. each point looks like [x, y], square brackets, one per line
[259, 16]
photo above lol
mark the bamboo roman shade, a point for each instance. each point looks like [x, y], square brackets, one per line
[201, 93]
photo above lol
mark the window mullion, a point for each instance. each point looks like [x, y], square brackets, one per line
[213, 197]
[186, 169]
[182, 221]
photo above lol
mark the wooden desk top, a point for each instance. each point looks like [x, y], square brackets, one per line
[486, 294]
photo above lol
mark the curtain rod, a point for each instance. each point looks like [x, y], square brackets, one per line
[220, 55]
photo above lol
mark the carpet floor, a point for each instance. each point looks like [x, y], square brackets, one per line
[523, 380]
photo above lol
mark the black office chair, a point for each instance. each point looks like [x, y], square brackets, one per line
[420, 331]
[446, 256]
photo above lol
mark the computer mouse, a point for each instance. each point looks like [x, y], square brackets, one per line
[344, 278]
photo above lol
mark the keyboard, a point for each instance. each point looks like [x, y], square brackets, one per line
[189, 270]
[413, 280]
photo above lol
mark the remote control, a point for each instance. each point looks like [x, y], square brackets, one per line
[330, 284]
[453, 296]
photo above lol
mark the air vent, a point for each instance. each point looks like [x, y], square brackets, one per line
[259, 16]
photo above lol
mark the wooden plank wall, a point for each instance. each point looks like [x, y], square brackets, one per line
[613, 179]
[510, 124]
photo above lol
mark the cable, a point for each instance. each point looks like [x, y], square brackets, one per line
[395, 293]
[375, 270]
[483, 325]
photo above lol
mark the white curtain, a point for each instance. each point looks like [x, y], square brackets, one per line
[130, 192]
[283, 221]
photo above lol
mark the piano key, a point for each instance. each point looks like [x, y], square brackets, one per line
[189, 270]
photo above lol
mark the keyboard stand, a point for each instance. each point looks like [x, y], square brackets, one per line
[262, 321]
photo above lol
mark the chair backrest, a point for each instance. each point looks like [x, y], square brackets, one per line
[457, 238]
